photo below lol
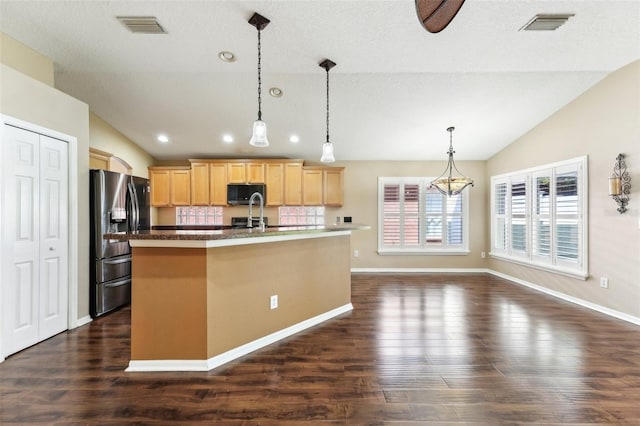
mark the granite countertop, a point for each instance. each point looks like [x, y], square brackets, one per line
[226, 234]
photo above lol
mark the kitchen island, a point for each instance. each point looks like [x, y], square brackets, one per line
[200, 299]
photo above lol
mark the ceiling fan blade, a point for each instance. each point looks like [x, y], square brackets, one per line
[439, 13]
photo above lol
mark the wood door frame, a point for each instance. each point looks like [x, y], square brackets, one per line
[72, 262]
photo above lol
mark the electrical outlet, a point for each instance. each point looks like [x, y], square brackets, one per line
[356, 253]
[604, 282]
[483, 254]
[273, 303]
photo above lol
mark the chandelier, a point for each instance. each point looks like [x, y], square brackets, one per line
[447, 183]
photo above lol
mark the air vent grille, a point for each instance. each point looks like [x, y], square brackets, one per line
[142, 24]
[546, 22]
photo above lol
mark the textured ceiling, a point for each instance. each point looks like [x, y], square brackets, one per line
[394, 92]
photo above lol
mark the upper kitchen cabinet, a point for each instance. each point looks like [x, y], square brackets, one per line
[333, 186]
[245, 171]
[274, 179]
[218, 184]
[312, 186]
[170, 186]
[292, 184]
[199, 184]
[322, 186]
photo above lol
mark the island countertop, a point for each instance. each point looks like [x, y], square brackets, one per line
[214, 237]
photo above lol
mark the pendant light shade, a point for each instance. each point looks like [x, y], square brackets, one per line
[327, 153]
[327, 146]
[259, 134]
[447, 183]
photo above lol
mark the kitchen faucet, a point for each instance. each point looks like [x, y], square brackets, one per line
[250, 218]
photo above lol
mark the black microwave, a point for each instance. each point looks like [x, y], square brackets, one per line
[239, 193]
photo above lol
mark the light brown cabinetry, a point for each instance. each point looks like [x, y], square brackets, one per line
[292, 184]
[218, 184]
[274, 179]
[312, 186]
[199, 184]
[245, 172]
[333, 186]
[322, 186]
[170, 186]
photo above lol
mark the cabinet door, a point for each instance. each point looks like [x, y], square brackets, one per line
[180, 187]
[292, 184]
[160, 187]
[236, 173]
[312, 187]
[218, 184]
[333, 187]
[255, 172]
[275, 184]
[199, 184]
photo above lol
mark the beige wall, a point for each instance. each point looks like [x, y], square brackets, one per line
[26, 60]
[361, 203]
[27, 99]
[105, 138]
[602, 123]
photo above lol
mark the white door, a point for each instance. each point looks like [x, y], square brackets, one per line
[34, 238]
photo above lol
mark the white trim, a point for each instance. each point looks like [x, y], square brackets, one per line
[566, 297]
[407, 252]
[83, 321]
[241, 241]
[420, 270]
[223, 358]
[72, 153]
[571, 273]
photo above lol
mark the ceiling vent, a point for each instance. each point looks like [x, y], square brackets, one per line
[142, 24]
[546, 22]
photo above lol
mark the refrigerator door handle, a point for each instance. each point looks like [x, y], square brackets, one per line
[118, 283]
[135, 213]
[117, 261]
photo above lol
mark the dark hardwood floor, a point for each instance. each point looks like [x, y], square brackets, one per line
[417, 349]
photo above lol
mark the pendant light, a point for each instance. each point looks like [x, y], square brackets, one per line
[447, 183]
[327, 146]
[259, 135]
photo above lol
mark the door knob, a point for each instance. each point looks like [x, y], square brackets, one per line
[52, 248]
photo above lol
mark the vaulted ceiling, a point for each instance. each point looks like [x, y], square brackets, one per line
[395, 90]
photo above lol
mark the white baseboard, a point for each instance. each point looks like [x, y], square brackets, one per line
[420, 270]
[218, 360]
[566, 297]
[82, 321]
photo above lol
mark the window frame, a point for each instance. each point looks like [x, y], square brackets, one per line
[424, 248]
[533, 255]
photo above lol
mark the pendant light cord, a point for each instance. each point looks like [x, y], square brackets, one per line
[327, 106]
[259, 79]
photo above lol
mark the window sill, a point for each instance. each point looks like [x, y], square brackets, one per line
[405, 252]
[571, 273]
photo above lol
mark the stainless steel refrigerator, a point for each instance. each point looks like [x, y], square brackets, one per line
[118, 203]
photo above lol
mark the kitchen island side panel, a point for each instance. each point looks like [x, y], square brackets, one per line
[309, 276]
[168, 303]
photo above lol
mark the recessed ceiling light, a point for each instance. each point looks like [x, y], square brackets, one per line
[227, 138]
[226, 56]
[163, 138]
[294, 139]
[275, 92]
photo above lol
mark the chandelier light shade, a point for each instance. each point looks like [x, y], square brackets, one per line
[259, 134]
[327, 146]
[448, 183]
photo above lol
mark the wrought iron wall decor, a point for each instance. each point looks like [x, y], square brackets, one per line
[620, 184]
